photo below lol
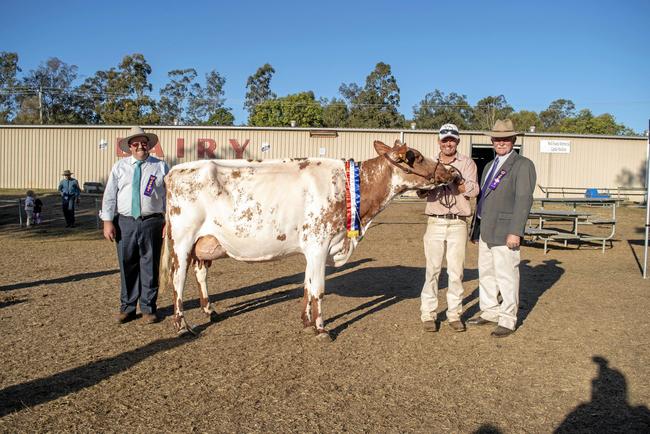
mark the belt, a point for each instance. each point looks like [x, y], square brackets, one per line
[449, 216]
[144, 217]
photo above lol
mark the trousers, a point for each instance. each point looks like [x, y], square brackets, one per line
[139, 242]
[498, 271]
[441, 233]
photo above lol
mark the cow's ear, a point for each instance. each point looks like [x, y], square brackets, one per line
[397, 144]
[401, 151]
[381, 148]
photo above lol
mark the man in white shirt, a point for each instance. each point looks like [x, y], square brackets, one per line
[133, 210]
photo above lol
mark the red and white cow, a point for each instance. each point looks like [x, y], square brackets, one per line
[259, 211]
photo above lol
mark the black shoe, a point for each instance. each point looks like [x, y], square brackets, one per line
[501, 332]
[479, 321]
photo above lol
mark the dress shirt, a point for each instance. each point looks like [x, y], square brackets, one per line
[446, 199]
[502, 159]
[117, 194]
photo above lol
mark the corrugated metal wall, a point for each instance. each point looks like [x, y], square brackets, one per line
[35, 156]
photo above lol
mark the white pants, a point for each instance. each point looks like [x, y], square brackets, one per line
[30, 217]
[498, 271]
[454, 234]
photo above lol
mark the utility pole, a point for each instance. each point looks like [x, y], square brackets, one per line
[40, 103]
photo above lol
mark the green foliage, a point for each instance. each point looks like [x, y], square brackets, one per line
[437, 109]
[174, 97]
[488, 110]
[120, 96]
[557, 111]
[258, 88]
[300, 107]
[375, 105]
[8, 82]
[335, 113]
[586, 123]
[525, 119]
[220, 116]
[49, 95]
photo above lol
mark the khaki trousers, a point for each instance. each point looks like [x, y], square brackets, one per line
[498, 272]
[439, 232]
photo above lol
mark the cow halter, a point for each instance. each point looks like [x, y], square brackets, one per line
[410, 171]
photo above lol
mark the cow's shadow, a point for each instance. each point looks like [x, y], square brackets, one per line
[385, 285]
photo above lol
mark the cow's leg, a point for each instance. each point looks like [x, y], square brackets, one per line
[201, 270]
[315, 289]
[307, 321]
[179, 274]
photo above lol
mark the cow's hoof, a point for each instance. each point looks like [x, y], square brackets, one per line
[309, 330]
[214, 316]
[182, 327]
[323, 336]
[186, 331]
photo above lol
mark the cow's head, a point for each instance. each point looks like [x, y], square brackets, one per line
[417, 170]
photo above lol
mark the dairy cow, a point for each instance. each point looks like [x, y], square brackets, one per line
[265, 210]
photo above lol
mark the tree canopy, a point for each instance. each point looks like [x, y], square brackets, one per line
[123, 95]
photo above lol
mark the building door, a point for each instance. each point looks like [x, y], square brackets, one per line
[482, 155]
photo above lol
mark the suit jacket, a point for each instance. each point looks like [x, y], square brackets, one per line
[505, 210]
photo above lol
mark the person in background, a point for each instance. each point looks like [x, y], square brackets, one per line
[38, 208]
[29, 207]
[70, 192]
[133, 210]
[448, 209]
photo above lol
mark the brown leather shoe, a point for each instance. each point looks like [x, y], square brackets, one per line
[125, 317]
[430, 326]
[457, 326]
[501, 332]
[150, 318]
[479, 321]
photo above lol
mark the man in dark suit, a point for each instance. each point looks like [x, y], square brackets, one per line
[507, 187]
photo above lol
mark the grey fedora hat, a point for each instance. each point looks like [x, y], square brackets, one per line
[136, 132]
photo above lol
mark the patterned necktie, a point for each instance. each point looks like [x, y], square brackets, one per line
[488, 181]
[135, 190]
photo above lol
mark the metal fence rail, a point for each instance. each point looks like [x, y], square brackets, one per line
[621, 193]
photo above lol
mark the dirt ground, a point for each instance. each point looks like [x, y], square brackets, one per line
[578, 362]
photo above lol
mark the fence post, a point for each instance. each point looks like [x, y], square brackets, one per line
[97, 212]
[20, 212]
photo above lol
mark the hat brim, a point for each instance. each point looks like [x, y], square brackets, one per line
[124, 143]
[500, 134]
[455, 136]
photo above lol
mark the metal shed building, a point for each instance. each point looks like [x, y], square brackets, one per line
[35, 156]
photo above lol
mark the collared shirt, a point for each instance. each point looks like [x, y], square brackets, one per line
[446, 199]
[502, 159]
[117, 194]
[69, 187]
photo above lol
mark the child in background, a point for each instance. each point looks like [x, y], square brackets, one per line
[29, 207]
[38, 207]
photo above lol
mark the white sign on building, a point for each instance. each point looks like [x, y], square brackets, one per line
[555, 146]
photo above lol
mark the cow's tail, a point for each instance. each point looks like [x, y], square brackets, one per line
[164, 272]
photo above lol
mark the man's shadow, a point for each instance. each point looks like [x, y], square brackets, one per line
[533, 282]
[608, 410]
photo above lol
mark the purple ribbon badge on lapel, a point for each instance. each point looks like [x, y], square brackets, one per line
[150, 184]
[497, 179]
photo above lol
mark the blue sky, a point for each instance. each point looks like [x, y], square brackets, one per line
[592, 52]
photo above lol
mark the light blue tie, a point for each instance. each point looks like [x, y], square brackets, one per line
[488, 181]
[135, 190]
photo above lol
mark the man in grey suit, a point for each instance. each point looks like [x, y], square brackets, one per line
[507, 187]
